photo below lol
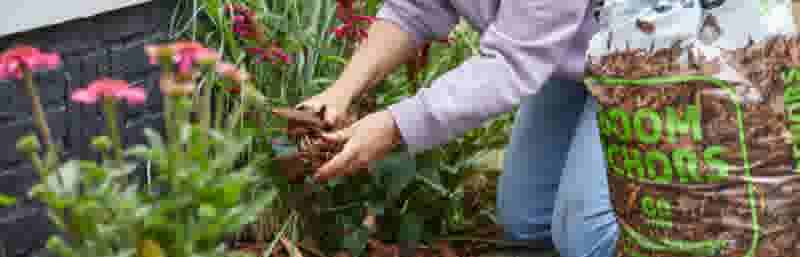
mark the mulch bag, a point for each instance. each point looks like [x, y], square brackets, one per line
[700, 123]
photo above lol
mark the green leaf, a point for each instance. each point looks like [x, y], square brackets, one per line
[126, 170]
[335, 59]
[207, 210]
[70, 174]
[6, 200]
[397, 170]
[411, 229]
[230, 154]
[356, 242]
[322, 81]
[154, 139]
[127, 252]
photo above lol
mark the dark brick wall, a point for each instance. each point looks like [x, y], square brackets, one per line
[109, 44]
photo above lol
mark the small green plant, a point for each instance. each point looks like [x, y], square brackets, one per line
[410, 199]
[6, 200]
[201, 192]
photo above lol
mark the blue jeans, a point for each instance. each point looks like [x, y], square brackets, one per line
[554, 187]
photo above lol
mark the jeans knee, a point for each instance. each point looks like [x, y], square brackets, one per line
[520, 227]
[585, 236]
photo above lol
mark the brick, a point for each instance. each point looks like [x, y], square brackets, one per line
[52, 87]
[123, 23]
[16, 181]
[7, 94]
[72, 67]
[94, 65]
[25, 229]
[129, 56]
[17, 103]
[66, 38]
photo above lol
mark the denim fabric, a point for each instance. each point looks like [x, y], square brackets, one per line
[554, 187]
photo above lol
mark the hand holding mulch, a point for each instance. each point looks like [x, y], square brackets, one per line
[306, 129]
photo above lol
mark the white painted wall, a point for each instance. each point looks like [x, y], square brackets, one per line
[24, 15]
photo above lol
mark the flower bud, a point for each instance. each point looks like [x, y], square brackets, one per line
[149, 248]
[253, 95]
[101, 143]
[208, 57]
[28, 144]
[231, 72]
[159, 54]
[171, 87]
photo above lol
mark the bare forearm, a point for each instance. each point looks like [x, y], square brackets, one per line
[384, 50]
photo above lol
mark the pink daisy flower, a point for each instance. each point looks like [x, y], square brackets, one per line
[15, 61]
[105, 87]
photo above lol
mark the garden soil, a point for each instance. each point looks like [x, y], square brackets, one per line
[700, 122]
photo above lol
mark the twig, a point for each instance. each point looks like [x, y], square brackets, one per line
[310, 249]
[484, 240]
[268, 251]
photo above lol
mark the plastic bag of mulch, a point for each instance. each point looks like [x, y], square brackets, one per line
[700, 123]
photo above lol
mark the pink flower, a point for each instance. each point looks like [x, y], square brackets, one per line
[350, 30]
[14, 62]
[244, 20]
[185, 54]
[105, 87]
[274, 54]
[230, 71]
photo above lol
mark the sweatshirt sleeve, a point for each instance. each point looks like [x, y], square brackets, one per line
[425, 20]
[519, 52]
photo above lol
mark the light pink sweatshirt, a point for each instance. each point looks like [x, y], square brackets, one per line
[523, 43]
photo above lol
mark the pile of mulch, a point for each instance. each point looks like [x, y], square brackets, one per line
[702, 201]
[481, 242]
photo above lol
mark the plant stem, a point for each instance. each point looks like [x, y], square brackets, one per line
[41, 121]
[205, 111]
[38, 110]
[38, 165]
[205, 116]
[170, 137]
[104, 155]
[220, 110]
[168, 118]
[176, 150]
[236, 116]
[110, 109]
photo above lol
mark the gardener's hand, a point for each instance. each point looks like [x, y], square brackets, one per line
[369, 139]
[335, 103]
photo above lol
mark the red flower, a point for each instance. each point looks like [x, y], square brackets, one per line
[184, 53]
[273, 54]
[244, 20]
[349, 29]
[344, 9]
[105, 87]
[14, 62]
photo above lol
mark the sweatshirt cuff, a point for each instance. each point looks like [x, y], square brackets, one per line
[405, 21]
[419, 129]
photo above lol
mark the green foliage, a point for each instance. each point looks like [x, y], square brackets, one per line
[6, 200]
[415, 198]
[207, 184]
[205, 198]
